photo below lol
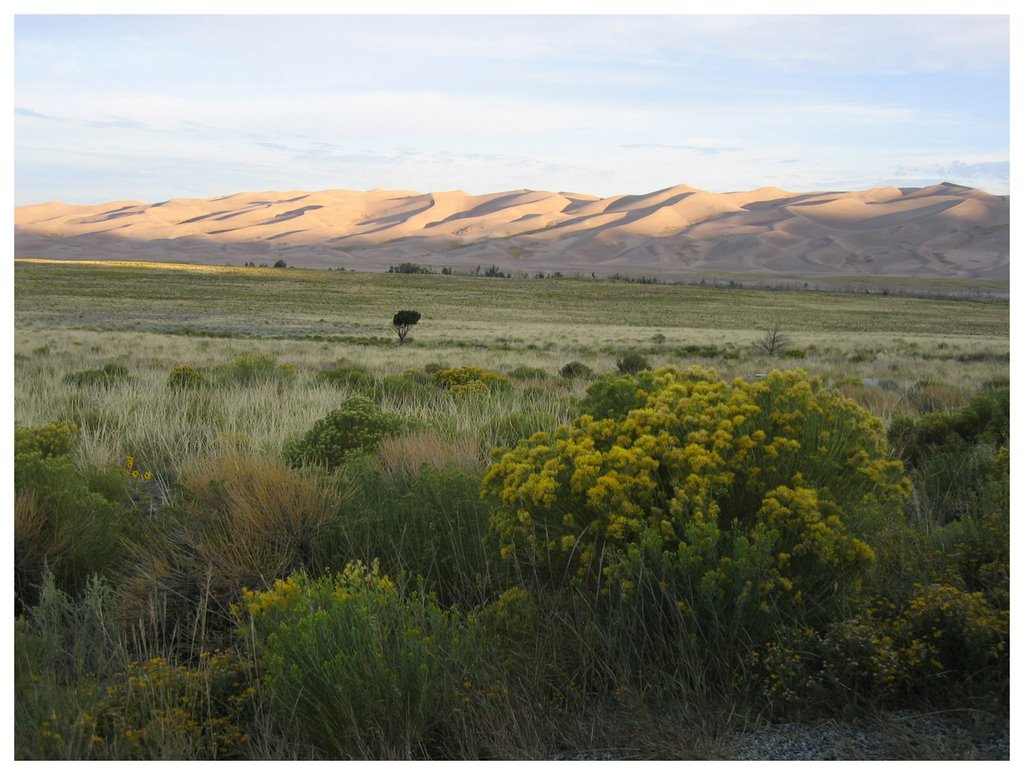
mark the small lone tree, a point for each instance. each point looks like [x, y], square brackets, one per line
[773, 342]
[403, 321]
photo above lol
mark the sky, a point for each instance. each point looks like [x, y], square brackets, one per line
[121, 107]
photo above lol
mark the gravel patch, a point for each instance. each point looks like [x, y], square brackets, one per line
[894, 736]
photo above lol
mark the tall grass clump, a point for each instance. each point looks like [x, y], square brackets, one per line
[255, 369]
[63, 647]
[241, 521]
[81, 693]
[428, 524]
[109, 374]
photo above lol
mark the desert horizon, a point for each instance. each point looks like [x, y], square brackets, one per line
[943, 230]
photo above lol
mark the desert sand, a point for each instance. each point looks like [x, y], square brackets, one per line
[943, 230]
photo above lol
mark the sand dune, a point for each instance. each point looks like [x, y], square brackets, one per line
[942, 230]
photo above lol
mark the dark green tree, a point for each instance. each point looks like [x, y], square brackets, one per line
[403, 321]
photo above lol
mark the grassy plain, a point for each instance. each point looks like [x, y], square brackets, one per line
[195, 534]
[151, 318]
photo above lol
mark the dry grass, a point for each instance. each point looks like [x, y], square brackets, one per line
[255, 518]
[404, 456]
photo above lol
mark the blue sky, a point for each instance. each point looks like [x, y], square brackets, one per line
[154, 107]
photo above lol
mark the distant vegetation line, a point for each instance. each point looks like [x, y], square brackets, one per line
[895, 285]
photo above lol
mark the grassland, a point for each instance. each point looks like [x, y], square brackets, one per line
[213, 501]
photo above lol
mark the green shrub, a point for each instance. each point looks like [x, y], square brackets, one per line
[614, 396]
[985, 419]
[69, 636]
[632, 362]
[954, 458]
[365, 670]
[697, 350]
[576, 370]
[349, 376]
[60, 521]
[357, 426]
[528, 373]
[409, 386]
[258, 368]
[110, 374]
[741, 503]
[185, 378]
[62, 645]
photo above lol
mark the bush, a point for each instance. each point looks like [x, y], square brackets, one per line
[938, 645]
[365, 670]
[348, 376]
[280, 264]
[742, 503]
[985, 419]
[528, 373]
[160, 709]
[576, 370]
[631, 362]
[60, 520]
[954, 458]
[110, 374]
[698, 351]
[408, 267]
[61, 645]
[614, 396]
[409, 386]
[357, 426]
[258, 369]
[469, 379]
[50, 440]
[185, 378]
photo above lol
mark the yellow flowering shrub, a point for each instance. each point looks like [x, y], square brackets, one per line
[161, 709]
[939, 641]
[742, 497]
[50, 440]
[469, 379]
